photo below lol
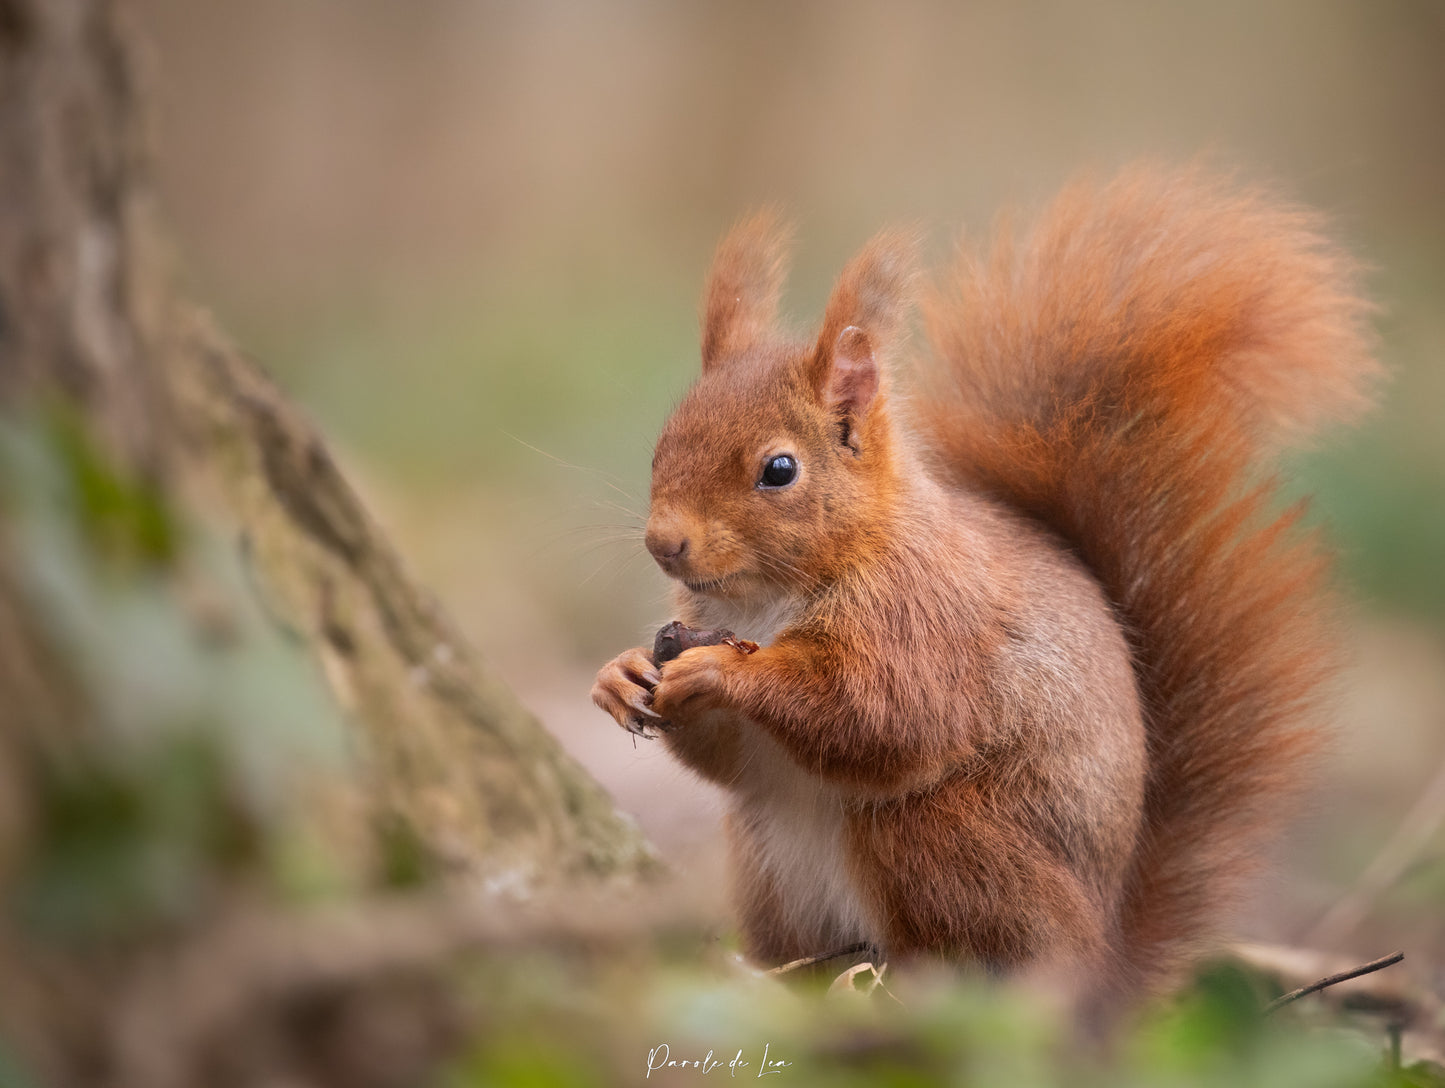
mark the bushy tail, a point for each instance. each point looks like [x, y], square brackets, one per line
[1126, 372]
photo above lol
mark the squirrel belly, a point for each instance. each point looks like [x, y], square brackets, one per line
[1040, 660]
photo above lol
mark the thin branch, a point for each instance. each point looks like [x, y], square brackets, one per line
[1330, 980]
[823, 957]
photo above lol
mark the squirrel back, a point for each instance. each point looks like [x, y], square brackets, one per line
[1126, 373]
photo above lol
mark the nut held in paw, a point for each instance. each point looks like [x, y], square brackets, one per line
[678, 636]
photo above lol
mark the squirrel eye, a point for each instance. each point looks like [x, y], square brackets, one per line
[780, 471]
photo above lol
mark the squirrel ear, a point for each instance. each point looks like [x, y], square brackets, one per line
[741, 298]
[850, 382]
[865, 314]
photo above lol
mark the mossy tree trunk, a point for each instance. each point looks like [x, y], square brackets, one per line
[88, 313]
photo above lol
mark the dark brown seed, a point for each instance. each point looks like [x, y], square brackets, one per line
[677, 636]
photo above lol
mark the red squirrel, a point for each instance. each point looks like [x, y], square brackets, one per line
[1040, 657]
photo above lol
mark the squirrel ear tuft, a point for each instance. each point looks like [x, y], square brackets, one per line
[874, 291]
[866, 315]
[741, 299]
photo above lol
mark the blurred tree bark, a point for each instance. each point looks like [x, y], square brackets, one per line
[88, 311]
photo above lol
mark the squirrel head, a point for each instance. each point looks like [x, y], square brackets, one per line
[782, 456]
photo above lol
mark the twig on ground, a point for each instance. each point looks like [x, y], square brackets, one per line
[823, 957]
[1330, 980]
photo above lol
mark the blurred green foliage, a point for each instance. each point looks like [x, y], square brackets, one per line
[197, 721]
[123, 517]
[946, 1032]
[125, 841]
[1381, 498]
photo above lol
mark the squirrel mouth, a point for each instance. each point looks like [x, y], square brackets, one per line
[705, 585]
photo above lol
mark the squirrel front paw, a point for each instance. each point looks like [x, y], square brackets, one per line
[624, 689]
[693, 682]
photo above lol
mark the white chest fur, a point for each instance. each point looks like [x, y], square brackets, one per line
[761, 622]
[797, 822]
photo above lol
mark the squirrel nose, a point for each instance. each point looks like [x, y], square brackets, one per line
[666, 546]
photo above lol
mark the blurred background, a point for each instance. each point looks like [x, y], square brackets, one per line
[469, 238]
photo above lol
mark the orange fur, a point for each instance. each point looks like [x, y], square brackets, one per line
[1040, 663]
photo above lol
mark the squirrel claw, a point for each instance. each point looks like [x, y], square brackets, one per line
[623, 690]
